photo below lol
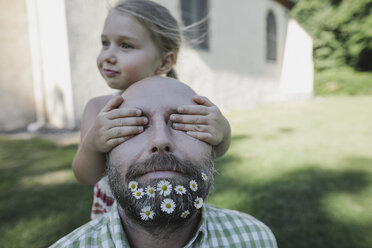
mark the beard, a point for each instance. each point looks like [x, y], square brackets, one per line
[183, 207]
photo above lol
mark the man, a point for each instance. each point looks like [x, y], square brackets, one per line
[160, 179]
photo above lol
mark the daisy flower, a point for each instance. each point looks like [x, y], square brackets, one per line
[193, 185]
[133, 185]
[180, 190]
[198, 203]
[138, 193]
[147, 213]
[204, 176]
[164, 187]
[150, 191]
[185, 214]
[167, 205]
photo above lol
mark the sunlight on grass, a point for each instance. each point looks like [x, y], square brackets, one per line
[349, 208]
[49, 178]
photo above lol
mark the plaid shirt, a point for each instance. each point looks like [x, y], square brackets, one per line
[218, 228]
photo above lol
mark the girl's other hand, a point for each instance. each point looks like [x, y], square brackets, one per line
[203, 121]
[114, 125]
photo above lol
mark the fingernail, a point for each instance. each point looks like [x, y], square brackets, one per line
[138, 112]
[180, 109]
[173, 117]
[140, 129]
[144, 120]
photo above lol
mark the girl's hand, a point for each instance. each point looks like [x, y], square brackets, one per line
[113, 126]
[204, 121]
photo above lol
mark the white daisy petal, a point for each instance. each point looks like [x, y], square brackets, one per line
[193, 185]
[164, 187]
[138, 193]
[133, 185]
[167, 205]
[204, 176]
[198, 203]
[150, 191]
[180, 190]
[147, 213]
[185, 214]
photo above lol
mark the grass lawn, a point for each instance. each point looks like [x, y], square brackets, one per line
[304, 169]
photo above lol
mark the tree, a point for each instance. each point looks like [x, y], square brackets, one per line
[341, 29]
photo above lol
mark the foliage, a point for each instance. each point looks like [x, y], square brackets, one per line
[342, 31]
[303, 169]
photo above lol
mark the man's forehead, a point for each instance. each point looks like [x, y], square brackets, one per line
[158, 94]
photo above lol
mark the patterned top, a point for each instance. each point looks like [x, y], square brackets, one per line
[103, 198]
[218, 228]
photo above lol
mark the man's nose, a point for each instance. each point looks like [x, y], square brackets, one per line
[161, 139]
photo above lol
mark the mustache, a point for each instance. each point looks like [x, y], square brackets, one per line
[163, 162]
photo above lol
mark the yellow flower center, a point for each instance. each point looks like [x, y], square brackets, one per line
[180, 189]
[197, 202]
[193, 185]
[147, 213]
[168, 205]
[138, 193]
[164, 187]
[133, 186]
[151, 191]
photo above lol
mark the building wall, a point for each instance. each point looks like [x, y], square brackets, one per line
[85, 21]
[17, 106]
[297, 77]
[234, 73]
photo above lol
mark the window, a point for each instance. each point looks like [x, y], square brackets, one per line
[270, 36]
[196, 12]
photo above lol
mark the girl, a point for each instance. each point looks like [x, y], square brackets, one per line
[140, 38]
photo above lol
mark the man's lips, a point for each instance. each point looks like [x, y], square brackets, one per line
[157, 174]
[110, 73]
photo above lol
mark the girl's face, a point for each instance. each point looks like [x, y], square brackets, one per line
[128, 53]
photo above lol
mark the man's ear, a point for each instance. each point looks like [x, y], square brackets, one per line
[167, 63]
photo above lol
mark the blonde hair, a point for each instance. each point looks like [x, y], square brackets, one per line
[163, 27]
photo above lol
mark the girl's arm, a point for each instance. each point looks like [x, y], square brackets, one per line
[204, 122]
[103, 127]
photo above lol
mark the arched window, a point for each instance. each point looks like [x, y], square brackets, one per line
[270, 36]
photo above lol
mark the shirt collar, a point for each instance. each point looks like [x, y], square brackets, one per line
[116, 228]
[202, 233]
[120, 239]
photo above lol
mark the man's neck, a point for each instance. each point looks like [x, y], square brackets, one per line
[138, 237]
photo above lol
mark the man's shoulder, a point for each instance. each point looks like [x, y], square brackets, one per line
[84, 236]
[234, 227]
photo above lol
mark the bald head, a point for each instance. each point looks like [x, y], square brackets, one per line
[158, 91]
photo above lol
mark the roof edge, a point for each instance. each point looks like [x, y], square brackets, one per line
[285, 3]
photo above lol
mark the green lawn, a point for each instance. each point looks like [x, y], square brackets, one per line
[304, 169]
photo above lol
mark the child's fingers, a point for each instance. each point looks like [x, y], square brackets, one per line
[128, 121]
[113, 104]
[192, 119]
[193, 109]
[117, 141]
[190, 127]
[202, 100]
[117, 132]
[206, 137]
[123, 112]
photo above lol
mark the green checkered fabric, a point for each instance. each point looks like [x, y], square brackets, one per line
[218, 228]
